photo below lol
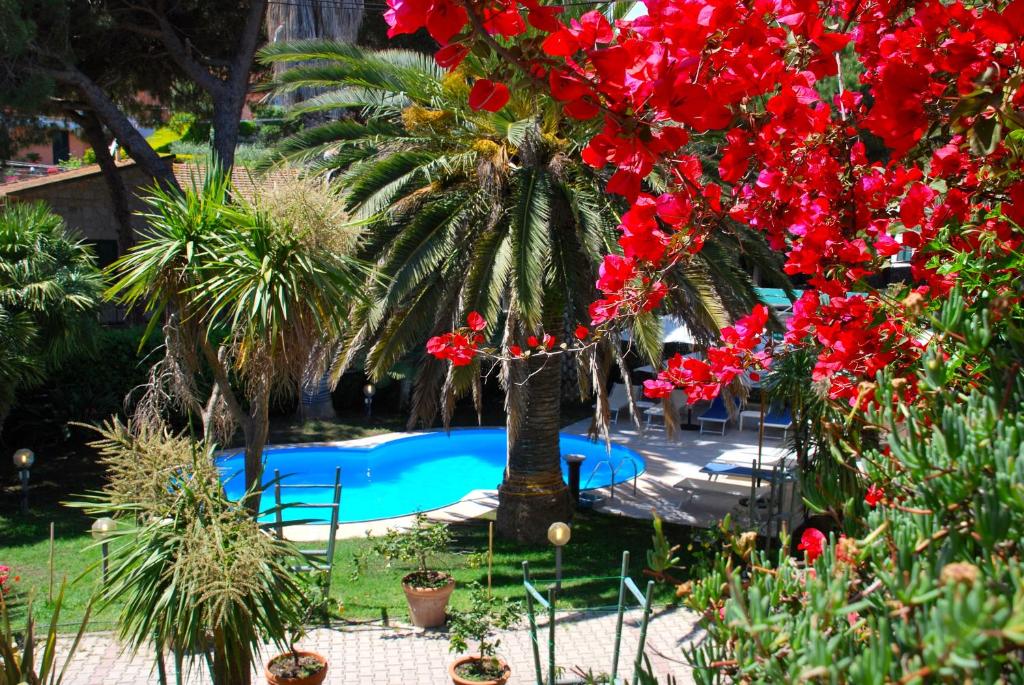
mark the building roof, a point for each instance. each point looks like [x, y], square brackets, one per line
[28, 183]
[246, 181]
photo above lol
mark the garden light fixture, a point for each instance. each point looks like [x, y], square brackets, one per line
[23, 460]
[369, 390]
[558, 535]
[101, 530]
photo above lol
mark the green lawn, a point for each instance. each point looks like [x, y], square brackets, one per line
[594, 554]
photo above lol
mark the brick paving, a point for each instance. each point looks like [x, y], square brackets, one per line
[401, 656]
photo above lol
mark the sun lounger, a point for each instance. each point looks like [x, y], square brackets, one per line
[779, 418]
[715, 469]
[619, 400]
[716, 414]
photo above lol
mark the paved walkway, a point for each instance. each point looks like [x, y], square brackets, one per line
[397, 656]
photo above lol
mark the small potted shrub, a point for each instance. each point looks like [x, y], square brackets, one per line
[426, 590]
[485, 615]
[296, 667]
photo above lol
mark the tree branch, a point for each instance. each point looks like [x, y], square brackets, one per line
[116, 121]
[220, 376]
[179, 52]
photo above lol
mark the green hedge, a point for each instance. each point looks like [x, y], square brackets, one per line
[86, 388]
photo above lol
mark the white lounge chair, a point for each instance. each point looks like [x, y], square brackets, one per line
[677, 399]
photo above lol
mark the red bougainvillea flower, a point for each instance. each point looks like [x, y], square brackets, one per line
[475, 321]
[455, 347]
[451, 55]
[582, 332]
[549, 341]
[874, 495]
[515, 350]
[813, 543]
[532, 341]
[488, 96]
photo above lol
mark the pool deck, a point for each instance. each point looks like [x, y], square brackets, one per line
[672, 483]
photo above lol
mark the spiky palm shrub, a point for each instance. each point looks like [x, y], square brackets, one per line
[477, 211]
[247, 292]
[922, 581]
[189, 567]
[49, 294]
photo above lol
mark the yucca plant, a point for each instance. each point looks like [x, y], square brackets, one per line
[247, 292]
[21, 661]
[189, 567]
[478, 211]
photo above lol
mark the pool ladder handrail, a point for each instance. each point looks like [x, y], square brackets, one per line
[613, 470]
[316, 560]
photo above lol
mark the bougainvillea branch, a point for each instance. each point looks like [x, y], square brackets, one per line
[928, 144]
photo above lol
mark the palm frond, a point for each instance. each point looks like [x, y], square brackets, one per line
[531, 241]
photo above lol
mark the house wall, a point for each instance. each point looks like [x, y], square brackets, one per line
[84, 202]
[45, 150]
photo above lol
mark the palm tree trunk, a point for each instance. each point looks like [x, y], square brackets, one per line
[255, 430]
[533, 494]
[229, 668]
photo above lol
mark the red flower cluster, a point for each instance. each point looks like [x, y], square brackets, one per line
[459, 347]
[5, 577]
[703, 380]
[812, 542]
[874, 495]
[793, 165]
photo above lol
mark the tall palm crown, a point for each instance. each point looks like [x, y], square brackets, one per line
[466, 210]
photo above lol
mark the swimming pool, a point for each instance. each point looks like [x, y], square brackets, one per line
[410, 474]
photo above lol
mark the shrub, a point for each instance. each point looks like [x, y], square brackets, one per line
[90, 386]
[189, 566]
[923, 579]
[478, 623]
[419, 544]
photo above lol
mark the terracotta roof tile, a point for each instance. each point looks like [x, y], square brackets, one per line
[246, 181]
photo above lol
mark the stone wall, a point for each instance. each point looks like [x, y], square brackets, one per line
[84, 201]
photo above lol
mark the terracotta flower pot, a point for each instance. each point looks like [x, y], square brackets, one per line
[427, 605]
[506, 672]
[314, 679]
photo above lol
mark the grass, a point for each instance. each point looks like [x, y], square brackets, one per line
[369, 590]
[590, 566]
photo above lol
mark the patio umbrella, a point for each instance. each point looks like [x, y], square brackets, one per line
[676, 331]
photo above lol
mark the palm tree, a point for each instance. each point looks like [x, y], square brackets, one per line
[478, 211]
[49, 293]
[248, 292]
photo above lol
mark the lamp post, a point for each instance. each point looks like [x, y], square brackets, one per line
[23, 460]
[369, 390]
[101, 530]
[558, 535]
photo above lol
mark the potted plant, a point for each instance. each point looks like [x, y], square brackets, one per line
[426, 590]
[485, 615]
[296, 667]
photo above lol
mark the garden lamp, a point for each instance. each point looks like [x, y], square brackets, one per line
[369, 390]
[558, 535]
[23, 460]
[101, 530]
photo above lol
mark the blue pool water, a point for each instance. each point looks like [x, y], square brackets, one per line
[410, 474]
